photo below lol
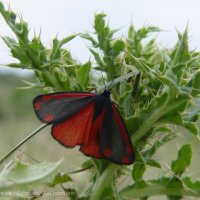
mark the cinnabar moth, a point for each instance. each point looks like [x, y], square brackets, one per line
[89, 120]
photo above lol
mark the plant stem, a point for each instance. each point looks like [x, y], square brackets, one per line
[153, 190]
[103, 181]
[157, 114]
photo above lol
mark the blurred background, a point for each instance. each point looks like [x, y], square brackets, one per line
[62, 18]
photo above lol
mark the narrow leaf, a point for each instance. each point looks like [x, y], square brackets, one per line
[82, 75]
[183, 161]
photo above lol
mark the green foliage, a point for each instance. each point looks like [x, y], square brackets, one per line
[60, 179]
[18, 176]
[163, 186]
[167, 98]
[183, 160]
[138, 168]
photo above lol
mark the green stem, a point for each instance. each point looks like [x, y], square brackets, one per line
[157, 114]
[154, 190]
[103, 181]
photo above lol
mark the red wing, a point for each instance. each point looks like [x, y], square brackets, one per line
[115, 144]
[81, 130]
[56, 107]
[92, 147]
[75, 130]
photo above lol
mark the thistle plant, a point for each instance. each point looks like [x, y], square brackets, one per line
[167, 97]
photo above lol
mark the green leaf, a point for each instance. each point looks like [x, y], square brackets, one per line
[128, 101]
[182, 53]
[56, 51]
[103, 32]
[68, 39]
[138, 170]
[153, 163]
[87, 163]
[174, 117]
[170, 79]
[131, 32]
[18, 176]
[82, 75]
[90, 38]
[16, 50]
[18, 65]
[139, 166]
[99, 22]
[97, 57]
[183, 161]
[192, 116]
[172, 197]
[162, 186]
[192, 127]
[193, 185]
[108, 193]
[195, 83]
[143, 32]
[60, 179]
[118, 46]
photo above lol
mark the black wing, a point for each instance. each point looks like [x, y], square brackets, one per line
[115, 143]
[57, 107]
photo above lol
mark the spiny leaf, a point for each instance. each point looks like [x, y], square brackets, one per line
[182, 52]
[90, 38]
[82, 75]
[97, 57]
[174, 117]
[164, 185]
[194, 185]
[142, 33]
[22, 176]
[56, 51]
[138, 170]
[60, 179]
[195, 83]
[139, 167]
[153, 163]
[183, 161]
[118, 46]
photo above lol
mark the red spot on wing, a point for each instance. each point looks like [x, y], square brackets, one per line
[37, 105]
[107, 152]
[125, 160]
[48, 117]
[75, 130]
